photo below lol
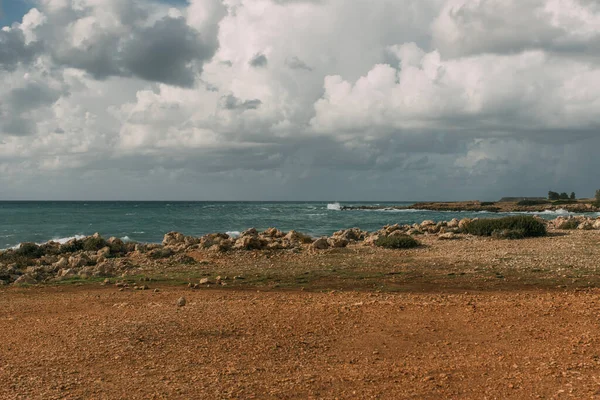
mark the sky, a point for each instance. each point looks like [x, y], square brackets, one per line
[298, 99]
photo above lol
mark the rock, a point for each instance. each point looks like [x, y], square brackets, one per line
[596, 224]
[453, 223]
[249, 232]
[320, 244]
[62, 263]
[463, 222]
[448, 236]
[205, 281]
[297, 237]
[25, 280]
[66, 273]
[249, 242]
[78, 261]
[173, 238]
[181, 302]
[273, 233]
[212, 239]
[222, 246]
[585, 225]
[427, 223]
[190, 241]
[116, 245]
[104, 252]
[337, 242]
[156, 290]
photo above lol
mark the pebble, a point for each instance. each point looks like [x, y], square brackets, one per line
[181, 302]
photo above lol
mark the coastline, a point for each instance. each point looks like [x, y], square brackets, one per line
[94, 257]
[478, 206]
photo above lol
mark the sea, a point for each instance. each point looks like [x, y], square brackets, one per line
[147, 222]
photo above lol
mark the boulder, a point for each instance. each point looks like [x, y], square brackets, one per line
[248, 242]
[249, 232]
[337, 242]
[62, 263]
[463, 222]
[173, 238]
[25, 280]
[320, 244]
[297, 237]
[78, 260]
[453, 223]
[585, 225]
[103, 252]
[273, 233]
[427, 223]
[596, 224]
[448, 236]
[208, 241]
[191, 241]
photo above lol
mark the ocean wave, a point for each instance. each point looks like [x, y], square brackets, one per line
[233, 234]
[560, 211]
[62, 240]
[129, 214]
[139, 232]
[316, 215]
[334, 206]
[126, 239]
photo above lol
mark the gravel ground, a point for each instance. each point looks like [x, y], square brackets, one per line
[473, 318]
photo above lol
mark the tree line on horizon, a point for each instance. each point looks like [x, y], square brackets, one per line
[562, 196]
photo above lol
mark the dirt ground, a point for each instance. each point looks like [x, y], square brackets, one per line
[475, 319]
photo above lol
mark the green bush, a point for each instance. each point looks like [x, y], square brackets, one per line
[487, 203]
[93, 243]
[71, 246]
[397, 242]
[529, 226]
[532, 202]
[29, 250]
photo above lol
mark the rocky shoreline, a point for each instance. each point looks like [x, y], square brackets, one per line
[478, 206]
[95, 257]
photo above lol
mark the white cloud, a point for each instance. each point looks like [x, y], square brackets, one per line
[430, 97]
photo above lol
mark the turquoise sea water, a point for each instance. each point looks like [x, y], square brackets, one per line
[39, 222]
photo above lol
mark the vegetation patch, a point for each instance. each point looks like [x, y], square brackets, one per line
[528, 226]
[94, 243]
[397, 242]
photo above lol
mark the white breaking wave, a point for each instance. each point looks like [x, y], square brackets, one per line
[233, 234]
[560, 211]
[65, 240]
[334, 206]
[57, 240]
[126, 239]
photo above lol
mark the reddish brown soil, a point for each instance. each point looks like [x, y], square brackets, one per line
[93, 342]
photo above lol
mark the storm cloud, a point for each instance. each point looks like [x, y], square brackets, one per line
[301, 99]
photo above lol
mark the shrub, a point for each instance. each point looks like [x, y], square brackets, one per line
[397, 242]
[596, 202]
[93, 243]
[29, 250]
[532, 202]
[487, 203]
[529, 226]
[71, 246]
